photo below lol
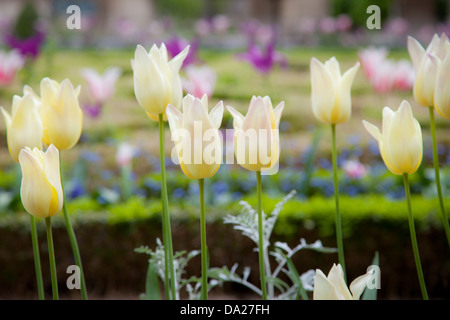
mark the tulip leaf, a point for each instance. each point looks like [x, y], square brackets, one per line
[295, 277]
[371, 294]
[152, 291]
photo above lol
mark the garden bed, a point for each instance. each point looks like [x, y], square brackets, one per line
[108, 238]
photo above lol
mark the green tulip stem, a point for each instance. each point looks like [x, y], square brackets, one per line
[75, 250]
[167, 234]
[74, 245]
[204, 248]
[51, 254]
[437, 175]
[414, 239]
[37, 259]
[261, 237]
[339, 240]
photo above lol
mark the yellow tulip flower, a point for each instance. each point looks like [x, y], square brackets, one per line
[156, 79]
[426, 66]
[331, 91]
[196, 135]
[256, 136]
[400, 141]
[442, 89]
[23, 127]
[61, 114]
[41, 190]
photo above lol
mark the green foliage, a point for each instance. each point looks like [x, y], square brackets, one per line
[354, 8]
[26, 22]
[180, 9]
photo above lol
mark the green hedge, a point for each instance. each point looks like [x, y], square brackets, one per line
[314, 212]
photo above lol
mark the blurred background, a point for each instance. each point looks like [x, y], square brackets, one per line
[239, 48]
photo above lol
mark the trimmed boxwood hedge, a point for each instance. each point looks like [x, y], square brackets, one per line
[108, 235]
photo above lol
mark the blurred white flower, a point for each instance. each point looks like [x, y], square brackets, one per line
[125, 153]
[354, 169]
[10, 63]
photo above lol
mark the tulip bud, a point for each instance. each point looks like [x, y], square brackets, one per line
[156, 79]
[426, 66]
[333, 287]
[256, 136]
[23, 126]
[196, 135]
[330, 91]
[400, 141]
[442, 90]
[61, 114]
[41, 190]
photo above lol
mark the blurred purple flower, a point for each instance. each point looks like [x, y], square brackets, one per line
[176, 45]
[265, 59]
[28, 47]
[93, 110]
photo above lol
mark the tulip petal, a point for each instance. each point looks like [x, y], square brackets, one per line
[332, 65]
[442, 89]
[373, 130]
[216, 115]
[342, 114]
[416, 52]
[53, 175]
[359, 284]
[49, 91]
[238, 118]
[322, 100]
[323, 288]
[6, 116]
[336, 277]
[35, 191]
[277, 113]
[177, 61]
[26, 128]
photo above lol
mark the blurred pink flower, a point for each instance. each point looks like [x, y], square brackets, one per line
[382, 79]
[327, 25]
[202, 27]
[101, 86]
[125, 153]
[220, 23]
[370, 59]
[397, 26]
[403, 77]
[354, 169]
[10, 63]
[307, 25]
[126, 28]
[385, 74]
[343, 23]
[200, 80]
[265, 34]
